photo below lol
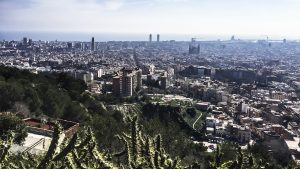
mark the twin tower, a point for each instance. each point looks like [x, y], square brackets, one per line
[157, 38]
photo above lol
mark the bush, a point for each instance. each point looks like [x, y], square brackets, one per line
[10, 122]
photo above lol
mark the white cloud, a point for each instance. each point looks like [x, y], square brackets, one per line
[145, 16]
[113, 4]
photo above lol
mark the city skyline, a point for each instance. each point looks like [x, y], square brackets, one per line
[277, 18]
[190, 81]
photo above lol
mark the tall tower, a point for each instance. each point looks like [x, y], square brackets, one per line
[117, 86]
[158, 37]
[232, 38]
[127, 83]
[150, 38]
[24, 40]
[139, 79]
[194, 48]
[284, 40]
[29, 41]
[70, 45]
[93, 44]
[163, 82]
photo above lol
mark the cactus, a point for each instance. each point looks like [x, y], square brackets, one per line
[218, 157]
[134, 139]
[251, 162]
[240, 158]
[145, 152]
[67, 149]
[31, 158]
[174, 163]
[158, 143]
[125, 150]
[194, 166]
[78, 153]
[5, 146]
[84, 143]
[74, 161]
[97, 155]
[156, 160]
[81, 152]
[52, 148]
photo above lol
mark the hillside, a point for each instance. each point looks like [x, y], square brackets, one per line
[128, 134]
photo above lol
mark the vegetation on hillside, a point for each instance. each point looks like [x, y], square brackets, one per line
[137, 134]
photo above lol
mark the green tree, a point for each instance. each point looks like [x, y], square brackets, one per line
[191, 111]
[54, 103]
[76, 111]
[32, 100]
[12, 123]
[9, 94]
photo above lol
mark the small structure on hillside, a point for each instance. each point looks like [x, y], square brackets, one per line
[40, 135]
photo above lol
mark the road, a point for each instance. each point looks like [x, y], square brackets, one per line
[197, 121]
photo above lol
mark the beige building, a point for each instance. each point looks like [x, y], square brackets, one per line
[127, 81]
[278, 95]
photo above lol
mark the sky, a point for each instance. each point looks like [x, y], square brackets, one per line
[207, 17]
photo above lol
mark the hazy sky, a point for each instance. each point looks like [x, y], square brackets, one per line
[215, 17]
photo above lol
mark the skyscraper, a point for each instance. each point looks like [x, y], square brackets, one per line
[232, 38]
[127, 82]
[93, 44]
[163, 82]
[83, 46]
[30, 42]
[138, 79]
[194, 48]
[70, 45]
[24, 41]
[158, 37]
[284, 40]
[150, 38]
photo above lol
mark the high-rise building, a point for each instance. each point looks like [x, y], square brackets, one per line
[232, 38]
[24, 41]
[163, 82]
[70, 45]
[30, 42]
[149, 78]
[83, 46]
[127, 85]
[284, 40]
[139, 79]
[127, 82]
[93, 44]
[117, 86]
[151, 69]
[158, 37]
[100, 73]
[194, 48]
[87, 77]
[150, 38]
